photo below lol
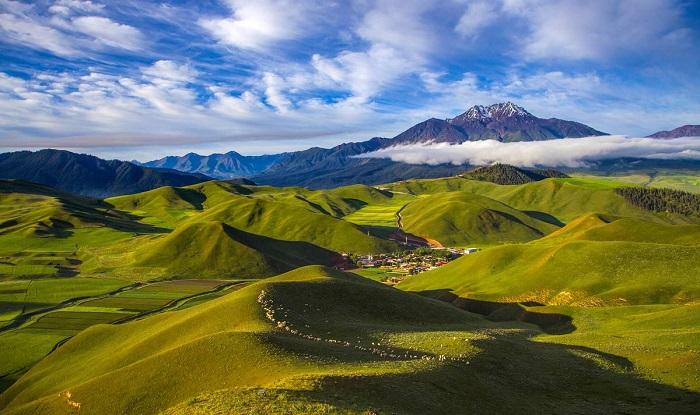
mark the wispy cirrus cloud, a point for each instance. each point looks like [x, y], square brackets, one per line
[70, 28]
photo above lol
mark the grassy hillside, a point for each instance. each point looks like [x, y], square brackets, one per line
[565, 199]
[661, 340]
[214, 249]
[628, 286]
[592, 260]
[289, 221]
[307, 342]
[686, 181]
[461, 218]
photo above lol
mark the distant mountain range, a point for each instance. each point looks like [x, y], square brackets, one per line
[684, 131]
[89, 175]
[228, 165]
[315, 167]
[321, 167]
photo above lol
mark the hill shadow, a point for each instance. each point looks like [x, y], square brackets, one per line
[509, 375]
[193, 197]
[544, 217]
[288, 254]
[550, 323]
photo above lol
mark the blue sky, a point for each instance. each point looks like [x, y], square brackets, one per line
[138, 79]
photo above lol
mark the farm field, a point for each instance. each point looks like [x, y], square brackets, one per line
[39, 334]
[381, 214]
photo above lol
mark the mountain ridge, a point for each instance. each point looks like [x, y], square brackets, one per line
[505, 122]
[89, 175]
[218, 165]
[688, 130]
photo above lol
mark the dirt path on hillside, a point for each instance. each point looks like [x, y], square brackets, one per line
[415, 240]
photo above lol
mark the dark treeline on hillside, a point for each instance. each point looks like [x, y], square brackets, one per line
[506, 174]
[662, 200]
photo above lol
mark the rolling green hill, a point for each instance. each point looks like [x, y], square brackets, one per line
[565, 199]
[36, 210]
[320, 341]
[592, 260]
[628, 286]
[460, 218]
[262, 231]
[617, 283]
[289, 221]
[215, 250]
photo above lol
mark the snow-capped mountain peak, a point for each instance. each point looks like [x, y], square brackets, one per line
[495, 111]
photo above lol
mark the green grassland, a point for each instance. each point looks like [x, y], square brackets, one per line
[628, 261]
[661, 340]
[563, 199]
[687, 182]
[271, 230]
[460, 218]
[630, 285]
[76, 272]
[307, 341]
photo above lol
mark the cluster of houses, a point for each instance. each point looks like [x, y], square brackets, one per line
[399, 265]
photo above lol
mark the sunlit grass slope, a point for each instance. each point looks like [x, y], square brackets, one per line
[689, 182]
[590, 261]
[459, 218]
[320, 341]
[630, 285]
[214, 249]
[38, 211]
[292, 214]
[288, 221]
[661, 340]
[42, 231]
[564, 199]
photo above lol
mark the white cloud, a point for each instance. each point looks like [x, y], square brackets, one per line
[479, 15]
[64, 35]
[109, 32]
[258, 24]
[399, 40]
[167, 70]
[67, 7]
[162, 107]
[364, 73]
[598, 29]
[28, 32]
[569, 152]
[400, 25]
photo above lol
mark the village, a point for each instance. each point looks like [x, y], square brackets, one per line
[392, 268]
